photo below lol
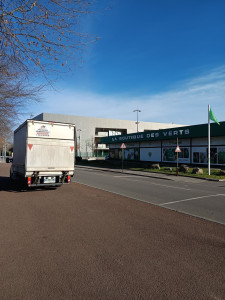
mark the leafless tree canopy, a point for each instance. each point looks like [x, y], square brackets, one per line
[14, 94]
[38, 34]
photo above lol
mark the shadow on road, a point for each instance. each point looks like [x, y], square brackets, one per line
[9, 186]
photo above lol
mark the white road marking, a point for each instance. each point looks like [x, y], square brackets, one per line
[155, 204]
[172, 187]
[126, 176]
[169, 186]
[190, 199]
[136, 176]
[103, 173]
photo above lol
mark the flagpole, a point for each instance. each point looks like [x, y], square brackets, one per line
[208, 140]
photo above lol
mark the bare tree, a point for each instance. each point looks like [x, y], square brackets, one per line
[40, 34]
[91, 144]
[5, 141]
[14, 94]
[36, 36]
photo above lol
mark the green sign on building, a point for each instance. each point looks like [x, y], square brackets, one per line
[195, 131]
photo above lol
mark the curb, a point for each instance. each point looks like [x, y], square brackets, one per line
[126, 172]
[148, 174]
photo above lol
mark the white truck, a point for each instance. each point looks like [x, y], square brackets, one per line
[43, 153]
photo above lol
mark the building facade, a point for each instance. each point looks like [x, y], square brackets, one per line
[160, 145]
[89, 131]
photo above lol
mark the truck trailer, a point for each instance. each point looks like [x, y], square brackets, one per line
[43, 153]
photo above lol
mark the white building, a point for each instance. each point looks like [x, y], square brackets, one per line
[89, 131]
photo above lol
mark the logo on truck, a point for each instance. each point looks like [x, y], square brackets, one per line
[42, 131]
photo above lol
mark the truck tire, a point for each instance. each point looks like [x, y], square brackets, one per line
[11, 175]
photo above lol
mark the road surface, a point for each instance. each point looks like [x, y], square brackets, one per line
[78, 242]
[205, 199]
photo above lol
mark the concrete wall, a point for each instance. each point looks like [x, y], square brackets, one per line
[88, 125]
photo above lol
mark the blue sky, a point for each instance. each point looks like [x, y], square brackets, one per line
[166, 57]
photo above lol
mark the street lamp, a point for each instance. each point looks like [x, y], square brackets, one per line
[79, 130]
[137, 110]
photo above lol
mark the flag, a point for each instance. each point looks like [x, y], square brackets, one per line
[212, 117]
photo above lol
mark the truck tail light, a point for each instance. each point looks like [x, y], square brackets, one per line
[28, 181]
[68, 178]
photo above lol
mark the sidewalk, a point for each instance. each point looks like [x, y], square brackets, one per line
[149, 174]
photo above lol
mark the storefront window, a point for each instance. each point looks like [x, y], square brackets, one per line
[184, 153]
[169, 154]
[120, 153]
[201, 157]
[221, 155]
[196, 157]
[213, 155]
[115, 154]
[112, 153]
[131, 154]
[136, 154]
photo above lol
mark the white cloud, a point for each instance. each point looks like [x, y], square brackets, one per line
[187, 104]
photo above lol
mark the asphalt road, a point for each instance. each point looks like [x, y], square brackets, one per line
[205, 199]
[78, 242]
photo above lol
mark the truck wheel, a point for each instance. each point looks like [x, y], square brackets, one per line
[11, 176]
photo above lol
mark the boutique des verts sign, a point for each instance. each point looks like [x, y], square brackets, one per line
[168, 134]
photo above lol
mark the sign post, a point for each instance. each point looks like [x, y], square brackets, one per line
[177, 150]
[122, 147]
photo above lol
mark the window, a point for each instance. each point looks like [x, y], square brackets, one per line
[131, 154]
[196, 157]
[169, 154]
[184, 153]
[221, 155]
[213, 155]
